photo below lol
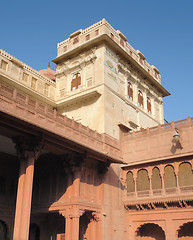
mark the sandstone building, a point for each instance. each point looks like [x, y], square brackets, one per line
[85, 153]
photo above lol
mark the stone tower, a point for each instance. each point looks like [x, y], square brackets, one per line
[104, 83]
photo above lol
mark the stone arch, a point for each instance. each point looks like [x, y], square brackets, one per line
[185, 231]
[150, 231]
[3, 230]
[185, 174]
[169, 177]
[34, 232]
[143, 182]
[156, 179]
[130, 182]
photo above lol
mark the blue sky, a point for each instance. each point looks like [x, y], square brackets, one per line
[161, 30]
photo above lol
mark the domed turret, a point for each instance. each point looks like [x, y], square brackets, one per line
[48, 72]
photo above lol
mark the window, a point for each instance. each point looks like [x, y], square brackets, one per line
[141, 60]
[148, 105]
[130, 90]
[96, 32]
[185, 174]
[169, 177]
[122, 42]
[25, 77]
[76, 81]
[156, 179]
[33, 83]
[140, 98]
[87, 37]
[143, 180]
[64, 48]
[112, 36]
[156, 76]
[130, 182]
[46, 89]
[4, 65]
[75, 40]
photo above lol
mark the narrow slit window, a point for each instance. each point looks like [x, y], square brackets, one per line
[130, 91]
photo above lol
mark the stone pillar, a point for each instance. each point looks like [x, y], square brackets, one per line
[75, 228]
[176, 170]
[68, 223]
[135, 181]
[72, 222]
[162, 178]
[28, 151]
[150, 181]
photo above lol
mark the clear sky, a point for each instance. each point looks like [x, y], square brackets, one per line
[162, 30]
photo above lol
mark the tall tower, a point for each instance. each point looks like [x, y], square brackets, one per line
[104, 83]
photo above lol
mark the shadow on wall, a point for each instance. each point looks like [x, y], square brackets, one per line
[150, 231]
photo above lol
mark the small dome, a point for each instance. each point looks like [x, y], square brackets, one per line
[48, 73]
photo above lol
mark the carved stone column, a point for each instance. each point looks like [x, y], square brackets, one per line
[72, 222]
[176, 170]
[162, 178]
[135, 181]
[28, 151]
[150, 181]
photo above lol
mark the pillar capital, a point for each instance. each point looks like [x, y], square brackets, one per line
[28, 147]
[97, 216]
[72, 212]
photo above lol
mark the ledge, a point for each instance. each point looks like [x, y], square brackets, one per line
[82, 95]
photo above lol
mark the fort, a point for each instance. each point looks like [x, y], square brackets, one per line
[84, 151]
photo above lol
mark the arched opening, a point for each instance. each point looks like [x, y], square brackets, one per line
[150, 231]
[148, 105]
[130, 90]
[185, 232]
[185, 175]
[3, 231]
[156, 179]
[130, 182]
[169, 177]
[34, 232]
[76, 81]
[142, 180]
[140, 98]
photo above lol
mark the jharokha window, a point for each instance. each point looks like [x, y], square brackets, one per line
[140, 98]
[148, 105]
[76, 81]
[130, 91]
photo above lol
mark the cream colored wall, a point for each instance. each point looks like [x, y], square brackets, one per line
[118, 107]
[21, 76]
[83, 104]
[103, 71]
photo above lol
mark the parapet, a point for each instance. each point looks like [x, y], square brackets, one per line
[83, 37]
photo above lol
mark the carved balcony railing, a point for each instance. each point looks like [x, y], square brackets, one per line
[159, 193]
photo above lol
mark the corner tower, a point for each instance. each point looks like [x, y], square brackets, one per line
[104, 83]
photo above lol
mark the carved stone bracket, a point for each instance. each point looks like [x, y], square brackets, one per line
[96, 216]
[28, 146]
